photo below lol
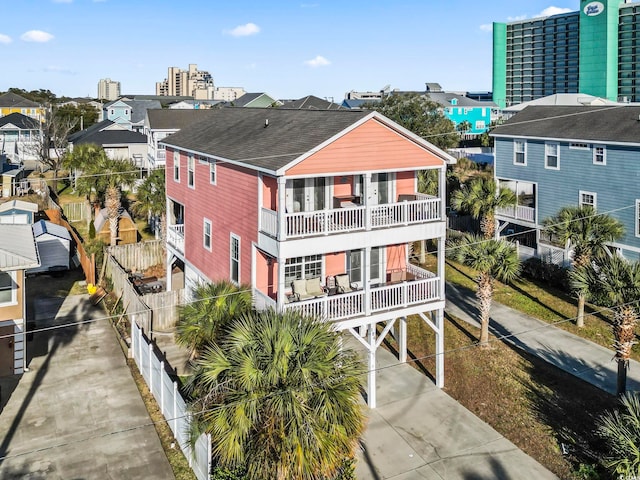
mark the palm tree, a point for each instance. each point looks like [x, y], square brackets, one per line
[493, 260]
[116, 173]
[586, 232]
[480, 198]
[618, 281]
[620, 430]
[213, 307]
[151, 199]
[280, 397]
[87, 158]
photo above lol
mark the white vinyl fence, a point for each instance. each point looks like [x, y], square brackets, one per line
[171, 403]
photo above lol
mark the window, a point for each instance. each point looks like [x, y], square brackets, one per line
[302, 267]
[587, 198]
[579, 146]
[212, 172]
[637, 218]
[599, 155]
[202, 160]
[206, 234]
[235, 258]
[176, 166]
[191, 173]
[480, 124]
[519, 152]
[7, 290]
[552, 156]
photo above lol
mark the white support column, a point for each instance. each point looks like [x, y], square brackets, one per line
[439, 321]
[282, 208]
[441, 265]
[402, 340]
[371, 374]
[366, 280]
[366, 194]
[169, 263]
[280, 297]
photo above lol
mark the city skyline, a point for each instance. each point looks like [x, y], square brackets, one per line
[288, 50]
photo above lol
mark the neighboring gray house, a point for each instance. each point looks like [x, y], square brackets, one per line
[18, 212]
[554, 157]
[311, 102]
[54, 246]
[118, 142]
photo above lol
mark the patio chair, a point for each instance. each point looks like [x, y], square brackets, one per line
[343, 285]
[304, 289]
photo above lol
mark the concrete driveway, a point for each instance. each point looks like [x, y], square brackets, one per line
[77, 413]
[418, 432]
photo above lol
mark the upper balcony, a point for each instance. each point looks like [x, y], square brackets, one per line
[175, 237]
[351, 217]
[525, 207]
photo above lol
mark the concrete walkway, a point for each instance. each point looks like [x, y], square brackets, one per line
[418, 432]
[582, 358]
[77, 413]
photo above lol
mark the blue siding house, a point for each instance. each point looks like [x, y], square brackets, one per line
[554, 157]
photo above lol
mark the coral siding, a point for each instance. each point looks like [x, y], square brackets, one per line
[264, 272]
[396, 257]
[369, 147]
[231, 205]
[270, 193]
[405, 183]
[340, 188]
[335, 263]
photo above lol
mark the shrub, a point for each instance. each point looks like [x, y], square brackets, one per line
[549, 273]
[92, 230]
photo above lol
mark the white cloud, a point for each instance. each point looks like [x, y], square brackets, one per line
[547, 12]
[5, 38]
[57, 69]
[486, 27]
[244, 30]
[319, 61]
[516, 18]
[36, 36]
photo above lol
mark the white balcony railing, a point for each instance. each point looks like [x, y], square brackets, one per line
[326, 222]
[363, 302]
[518, 212]
[175, 237]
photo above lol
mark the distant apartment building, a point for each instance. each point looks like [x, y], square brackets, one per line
[187, 83]
[228, 94]
[591, 51]
[108, 89]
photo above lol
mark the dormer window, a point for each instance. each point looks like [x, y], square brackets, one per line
[454, 101]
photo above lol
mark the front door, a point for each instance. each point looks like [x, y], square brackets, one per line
[6, 351]
[355, 267]
[380, 188]
[306, 194]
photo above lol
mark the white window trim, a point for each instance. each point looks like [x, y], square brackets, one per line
[637, 218]
[212, 168]
[202, 160]
[206, 222]
[14, 291]
[176, 166]
[524, 144]
[233, 236]
[552, 144]
[593, 194]
[604, 154]
[191, 171]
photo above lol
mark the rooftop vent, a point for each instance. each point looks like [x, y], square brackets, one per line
[266, 122]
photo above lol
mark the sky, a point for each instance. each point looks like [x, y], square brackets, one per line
[288, 49]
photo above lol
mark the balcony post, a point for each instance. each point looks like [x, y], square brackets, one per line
[366, 279]
[281, 286]
[282, 202]
[438, 315]
[402, 340]
[371, 373]
[441, 250]
[442, 185]
[366, 196]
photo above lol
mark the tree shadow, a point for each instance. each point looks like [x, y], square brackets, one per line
[537, 300]
[49, 333]
[498, 472]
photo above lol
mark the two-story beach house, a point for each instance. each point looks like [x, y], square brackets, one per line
[316, 211]
[18, 252]
[554, 157]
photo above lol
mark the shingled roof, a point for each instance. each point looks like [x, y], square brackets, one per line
[311, 102]
[620, 124]
[263, 138]
[20, 121]
[175, 119]
[100, 134]
[12, 100]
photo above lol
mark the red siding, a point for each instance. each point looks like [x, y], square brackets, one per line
[369, 147]
[405, 183]
[270, 193]
[232, 207]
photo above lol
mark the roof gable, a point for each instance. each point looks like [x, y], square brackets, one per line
[20, 121]
[12, 100]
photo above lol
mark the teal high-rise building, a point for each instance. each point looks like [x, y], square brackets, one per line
[590, 51]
